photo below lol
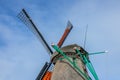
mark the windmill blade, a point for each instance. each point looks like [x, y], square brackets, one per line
[25, 18]
[66, 32]
[85, 36]
[43, 71]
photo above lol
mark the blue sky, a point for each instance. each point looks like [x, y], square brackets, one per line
[22, 55]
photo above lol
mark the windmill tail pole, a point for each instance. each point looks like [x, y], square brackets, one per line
[88, 64]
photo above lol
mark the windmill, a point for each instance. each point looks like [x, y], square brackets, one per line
[70, 62]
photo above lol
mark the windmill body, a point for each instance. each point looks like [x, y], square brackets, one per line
[63, 70]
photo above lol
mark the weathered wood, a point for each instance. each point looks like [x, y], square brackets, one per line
[63, 71]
